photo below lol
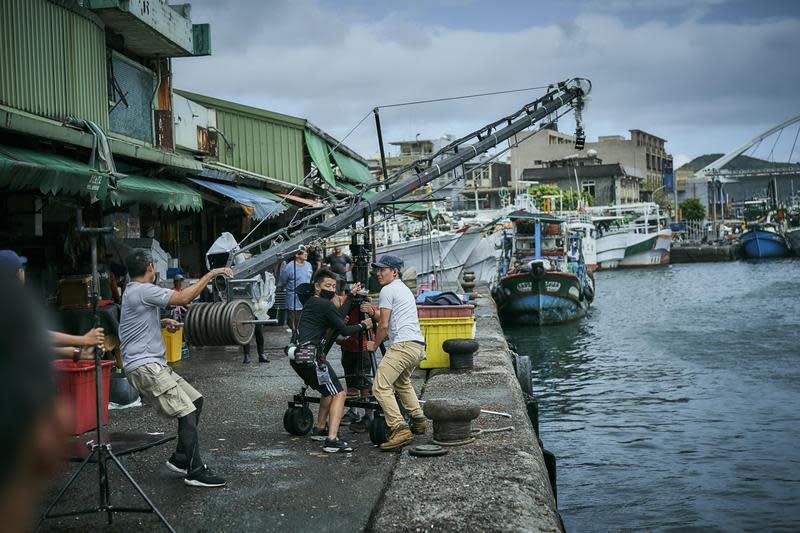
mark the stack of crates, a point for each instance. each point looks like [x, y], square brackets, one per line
[440, 323]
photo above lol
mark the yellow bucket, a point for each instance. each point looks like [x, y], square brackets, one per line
[173, 341]
[438, 330]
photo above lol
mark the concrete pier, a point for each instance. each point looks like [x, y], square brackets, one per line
[703, 253]
[278, 482]
[497, 483]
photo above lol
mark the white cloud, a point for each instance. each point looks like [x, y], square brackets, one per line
[704, 87]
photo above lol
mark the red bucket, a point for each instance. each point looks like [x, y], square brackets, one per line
[76, 388]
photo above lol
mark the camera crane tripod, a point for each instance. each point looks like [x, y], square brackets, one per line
[101, 450]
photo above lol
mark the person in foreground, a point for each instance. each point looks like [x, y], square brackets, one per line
[319, 316]
[33, 424]
[145, 363]
[400, 325]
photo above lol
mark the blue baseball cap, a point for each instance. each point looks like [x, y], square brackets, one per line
[389, 261]
[11, 262]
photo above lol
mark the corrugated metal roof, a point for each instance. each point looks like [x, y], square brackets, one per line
[256, 140]
[53, 60]
[227, 105]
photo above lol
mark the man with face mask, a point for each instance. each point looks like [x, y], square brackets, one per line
[145, 363]
[318, 317]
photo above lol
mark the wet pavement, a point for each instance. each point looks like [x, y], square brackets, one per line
[276, 482]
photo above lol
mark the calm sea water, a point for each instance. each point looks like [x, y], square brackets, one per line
[675, 405]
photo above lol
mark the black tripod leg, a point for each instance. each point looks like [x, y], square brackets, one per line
[64, 489]
[141, 492]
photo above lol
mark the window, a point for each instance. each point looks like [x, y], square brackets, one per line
[588, 186]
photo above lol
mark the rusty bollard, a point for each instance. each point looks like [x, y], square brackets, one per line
[461, 353]
[452, 420]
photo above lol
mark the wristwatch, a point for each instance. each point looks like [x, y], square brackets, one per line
[76, 354]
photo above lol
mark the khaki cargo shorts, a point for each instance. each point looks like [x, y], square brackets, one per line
[171, 395]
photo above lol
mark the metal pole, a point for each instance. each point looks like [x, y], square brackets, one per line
[376, 112]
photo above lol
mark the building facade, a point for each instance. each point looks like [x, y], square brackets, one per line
[607, 183]
[643, 151]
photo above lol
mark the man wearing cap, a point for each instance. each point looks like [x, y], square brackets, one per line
[13, 264]
[400, 325]
[75, 346]
[295, 273]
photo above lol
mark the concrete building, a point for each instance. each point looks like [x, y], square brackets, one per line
[490, 184]
[608, 183]
[643, 151]
[447, 186]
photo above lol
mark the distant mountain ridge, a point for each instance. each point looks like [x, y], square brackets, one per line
[740, 162]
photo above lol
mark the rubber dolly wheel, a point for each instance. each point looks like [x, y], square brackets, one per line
[298, 420]
[378, 430]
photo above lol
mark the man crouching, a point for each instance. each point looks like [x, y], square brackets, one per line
[145, 362]
[318, 317]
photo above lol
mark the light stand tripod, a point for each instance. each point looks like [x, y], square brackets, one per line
[100, 449]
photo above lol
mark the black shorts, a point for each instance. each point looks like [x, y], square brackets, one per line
[352, 370]
[308, 373]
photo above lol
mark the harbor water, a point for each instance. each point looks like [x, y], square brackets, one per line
[675, 405]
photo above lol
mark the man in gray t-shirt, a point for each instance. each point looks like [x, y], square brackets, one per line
[399, 324]
[145, 362]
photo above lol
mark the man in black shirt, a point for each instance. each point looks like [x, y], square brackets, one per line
[339, 262]
[318, 317]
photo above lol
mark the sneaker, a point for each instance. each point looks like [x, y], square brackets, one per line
[399, 437]
[336, 445]
[349, 417]
[262, 358]
[204, 477]
[419, 425]
[360, 426]
[179, 467]
[319, 434]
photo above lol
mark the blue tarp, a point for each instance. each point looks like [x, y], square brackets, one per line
[262, 206]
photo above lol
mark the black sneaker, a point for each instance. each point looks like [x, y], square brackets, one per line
[319, 434]
[204, 477]
[360, 426]
[177, 466]
[336, 445]
[262, 358]
[349, 417]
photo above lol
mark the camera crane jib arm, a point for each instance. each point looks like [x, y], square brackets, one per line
[281, 244]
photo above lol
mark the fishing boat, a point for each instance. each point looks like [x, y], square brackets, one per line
[762, 241]
[437, 256]
[632, 235]
[542, 278]
[586, 230]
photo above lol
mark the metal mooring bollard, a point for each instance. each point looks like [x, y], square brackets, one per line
[452, 419]
[461, 353]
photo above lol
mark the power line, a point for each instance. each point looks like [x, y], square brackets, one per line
[461, 97]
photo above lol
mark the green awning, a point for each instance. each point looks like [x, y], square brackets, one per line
[355, 190]
[165, 194]
[22, 169]
[318, 150]
[353, 169]
[418, 209]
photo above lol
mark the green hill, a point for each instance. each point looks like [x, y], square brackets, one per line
[740, 162]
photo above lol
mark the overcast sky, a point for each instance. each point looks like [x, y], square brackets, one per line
[707, 75]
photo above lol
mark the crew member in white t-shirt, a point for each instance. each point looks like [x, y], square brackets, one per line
[400, 325]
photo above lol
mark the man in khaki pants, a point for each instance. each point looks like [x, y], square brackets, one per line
[400, 325]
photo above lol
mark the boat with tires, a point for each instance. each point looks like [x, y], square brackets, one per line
[542, 278]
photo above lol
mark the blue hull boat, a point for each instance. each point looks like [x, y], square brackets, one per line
[758, 244]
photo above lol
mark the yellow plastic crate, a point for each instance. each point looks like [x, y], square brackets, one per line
[173, 342]
[438, 330]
